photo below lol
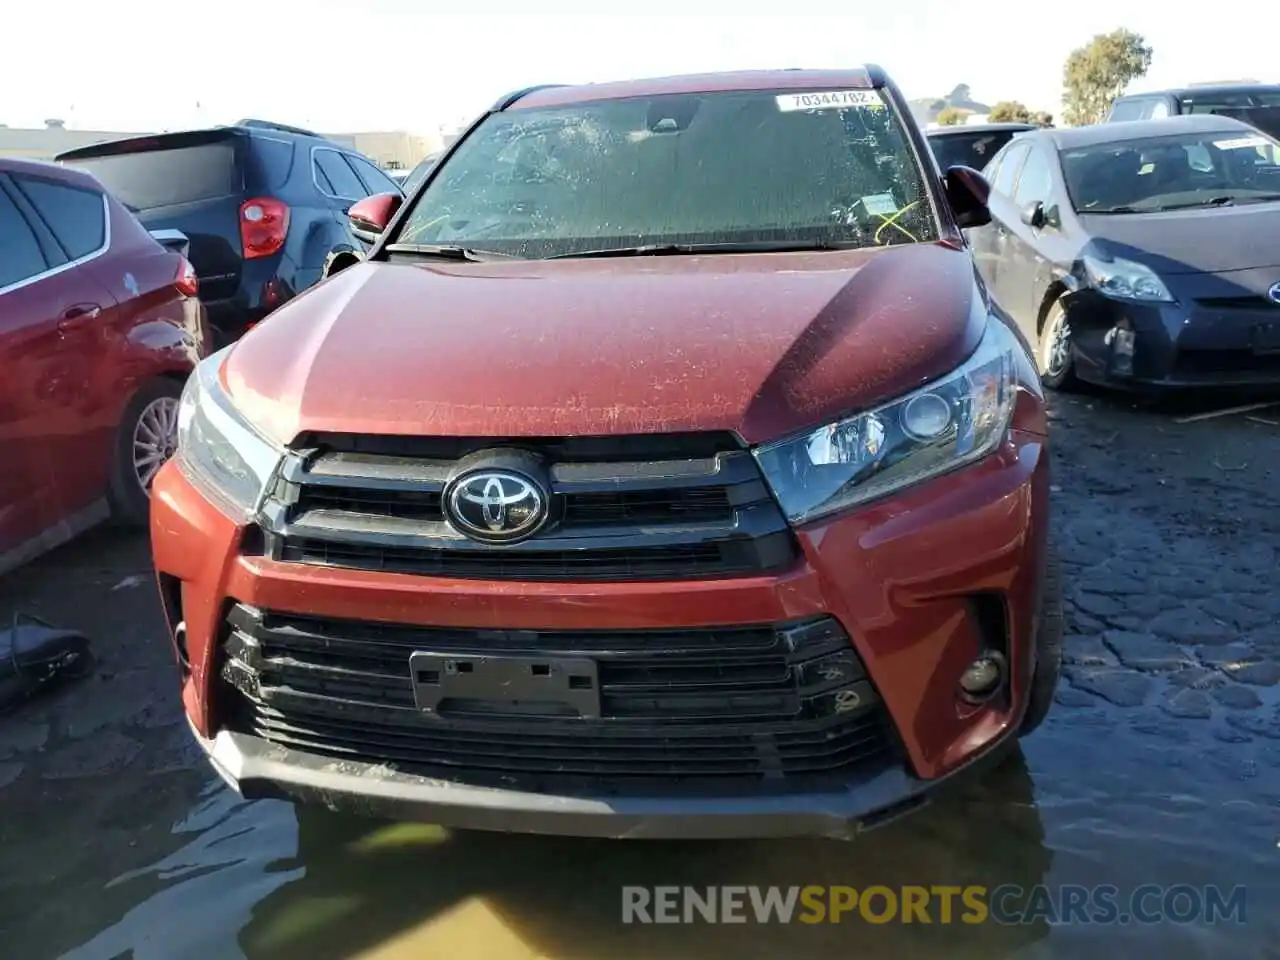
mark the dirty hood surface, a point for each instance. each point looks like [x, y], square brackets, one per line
[760, 344]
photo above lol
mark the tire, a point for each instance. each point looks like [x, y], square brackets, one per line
[1057, 365]
[1049, 631]
[152, 408]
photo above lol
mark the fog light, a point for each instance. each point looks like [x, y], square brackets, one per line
[984, 676]
[1121, 341]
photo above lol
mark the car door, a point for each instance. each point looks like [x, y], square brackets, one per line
[981, 240]
[337, 180]
[76, 350]
[1027, 261]
[1003, 214]
[28, 331]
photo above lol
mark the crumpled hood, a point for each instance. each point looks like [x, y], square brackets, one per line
[757, 344]
[1203, 240]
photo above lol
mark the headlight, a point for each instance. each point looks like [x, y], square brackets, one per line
[219, 451]
[1126, 280]
[947, 424]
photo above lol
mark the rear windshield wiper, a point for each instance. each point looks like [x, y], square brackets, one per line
[447, 251]
[676, 249]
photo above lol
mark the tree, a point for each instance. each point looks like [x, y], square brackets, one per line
[1041, 119]
[1010, 111]
[1098, 72]
[951, 117]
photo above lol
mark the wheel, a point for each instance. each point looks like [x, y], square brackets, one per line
[1049, 630]
[146, 439]
[1057, 365]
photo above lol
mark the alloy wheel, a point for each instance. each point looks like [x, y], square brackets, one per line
[1055, 343]
[155, 437]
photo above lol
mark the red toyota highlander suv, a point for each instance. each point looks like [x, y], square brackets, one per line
[664, 470]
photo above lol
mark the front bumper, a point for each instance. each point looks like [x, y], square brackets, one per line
[1175, 345]
[903, 576]
[259, 770]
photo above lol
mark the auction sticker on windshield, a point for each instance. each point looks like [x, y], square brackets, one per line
[829, 100]
[1239, 143]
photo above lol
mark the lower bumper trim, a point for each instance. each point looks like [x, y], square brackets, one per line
[258, 769]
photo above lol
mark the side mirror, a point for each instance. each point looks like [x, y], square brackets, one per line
[1033, 215]
[967, 192]
[370, 216]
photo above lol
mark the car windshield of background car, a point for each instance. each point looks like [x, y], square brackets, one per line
[820, 169]
[970, 150]
[1163, 173]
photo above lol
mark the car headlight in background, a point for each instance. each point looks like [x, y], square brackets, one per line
[219, 451]
[949, 423]
[1126, 280]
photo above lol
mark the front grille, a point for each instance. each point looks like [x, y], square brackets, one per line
[628, 508]
[780, 707]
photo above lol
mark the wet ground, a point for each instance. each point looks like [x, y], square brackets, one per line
[1160, 764]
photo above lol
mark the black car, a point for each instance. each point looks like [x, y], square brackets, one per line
[973, 145]
[1144, 254]
[1204, 98]
[263, 204]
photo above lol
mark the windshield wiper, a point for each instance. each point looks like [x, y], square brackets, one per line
[447, 251]
[1123, 209]
[1210, 202]
[676, 249]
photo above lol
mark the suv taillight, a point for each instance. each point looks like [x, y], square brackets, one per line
[264, 223]
[187, 282]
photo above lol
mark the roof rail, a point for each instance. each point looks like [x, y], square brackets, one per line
[269, 125]
[511, 98]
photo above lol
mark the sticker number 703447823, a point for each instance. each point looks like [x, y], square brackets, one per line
[829, 100]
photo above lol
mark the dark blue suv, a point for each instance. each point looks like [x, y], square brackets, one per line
[263, 204]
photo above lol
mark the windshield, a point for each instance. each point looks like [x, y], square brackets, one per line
[969, 149]
[1173, 172]
[816, 169]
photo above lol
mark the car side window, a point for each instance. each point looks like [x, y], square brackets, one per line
[1139, 108]
[20, 255]
[338, 176]
[1009, 169]
[1036, 183]
[992, 169]
[76, 216]
[374, 179]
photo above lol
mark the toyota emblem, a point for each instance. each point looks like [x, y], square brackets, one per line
[496, 506]
[1274, 293]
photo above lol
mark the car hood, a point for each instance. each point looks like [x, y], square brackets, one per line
[1205, 240]
[758, 344]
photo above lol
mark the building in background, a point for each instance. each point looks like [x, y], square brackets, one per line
[392, 150]
[53, 138]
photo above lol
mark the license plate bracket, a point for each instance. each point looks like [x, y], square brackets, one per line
[521, 685]
[1266, 337]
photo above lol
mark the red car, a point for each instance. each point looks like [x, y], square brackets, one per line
[99, 329]
[665, 469]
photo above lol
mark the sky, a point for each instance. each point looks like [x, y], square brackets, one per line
[360, 65]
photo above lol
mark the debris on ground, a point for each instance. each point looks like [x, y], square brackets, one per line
[34, 655]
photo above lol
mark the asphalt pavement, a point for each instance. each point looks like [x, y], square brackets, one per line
[1160, 763]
